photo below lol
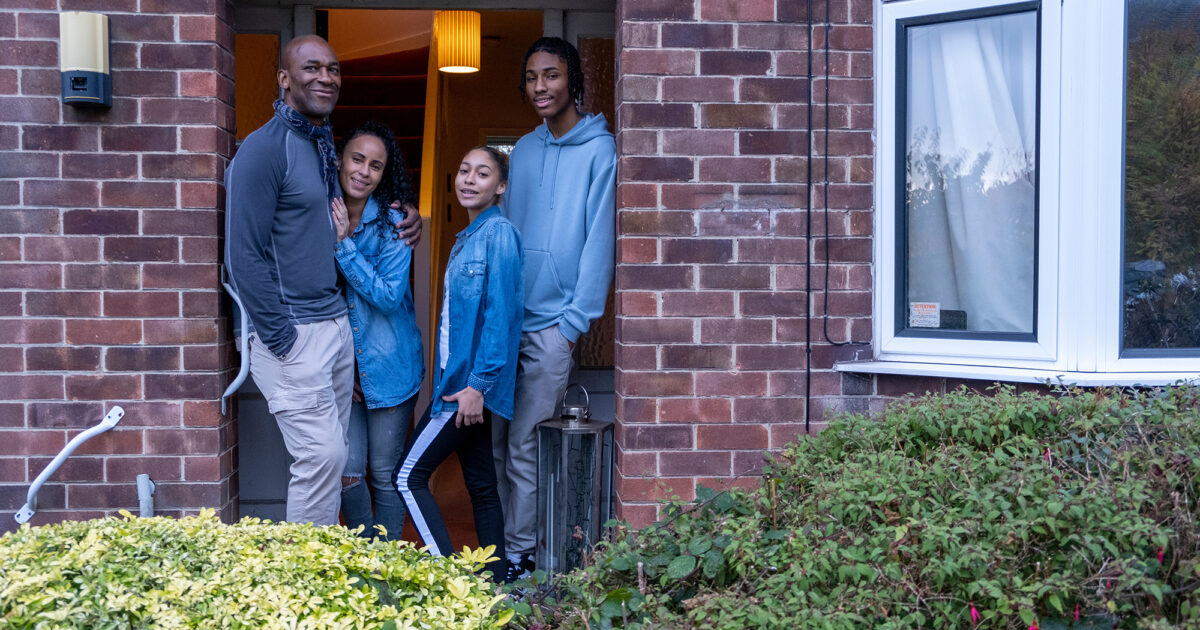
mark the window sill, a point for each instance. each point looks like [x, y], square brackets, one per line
[1015, 375]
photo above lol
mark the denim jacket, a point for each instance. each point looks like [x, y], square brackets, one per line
[486, 287]
[387, 343]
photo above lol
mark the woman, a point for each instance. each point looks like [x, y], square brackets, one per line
[387, 343]
[476, 364]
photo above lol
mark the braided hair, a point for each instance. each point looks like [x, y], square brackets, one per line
[562, 49]
[394, 184]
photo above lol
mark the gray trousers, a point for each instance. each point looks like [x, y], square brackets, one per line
[543, 367]
[309, 392]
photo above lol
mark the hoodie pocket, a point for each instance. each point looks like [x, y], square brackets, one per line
[543, 291]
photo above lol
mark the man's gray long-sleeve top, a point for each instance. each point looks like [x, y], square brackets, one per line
[279, 235]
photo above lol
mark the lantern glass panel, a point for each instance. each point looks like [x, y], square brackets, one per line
[574, 490]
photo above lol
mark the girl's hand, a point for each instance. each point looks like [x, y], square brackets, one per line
[341, 219]
[470, 407]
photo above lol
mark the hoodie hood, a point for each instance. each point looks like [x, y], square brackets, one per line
[589, 127]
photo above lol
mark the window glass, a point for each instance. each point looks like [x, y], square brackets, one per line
[1161, 283]
[503, 144]
[968, 251]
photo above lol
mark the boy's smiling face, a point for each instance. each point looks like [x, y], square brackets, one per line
[546, 85]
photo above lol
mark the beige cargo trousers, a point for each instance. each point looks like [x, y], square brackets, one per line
[309, 392]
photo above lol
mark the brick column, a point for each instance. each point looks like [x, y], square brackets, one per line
[712, 107]
[109, 253]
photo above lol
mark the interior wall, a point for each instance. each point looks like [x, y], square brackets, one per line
[475, 105]
[256, 62]
[357, 33]
[596, 54]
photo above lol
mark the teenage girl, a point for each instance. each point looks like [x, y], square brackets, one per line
[476, 360]
[387, 344]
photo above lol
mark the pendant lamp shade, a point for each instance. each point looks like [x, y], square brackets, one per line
[457, 40]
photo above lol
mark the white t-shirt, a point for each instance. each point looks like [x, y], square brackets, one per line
[444, 327]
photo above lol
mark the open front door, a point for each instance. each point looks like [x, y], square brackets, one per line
[454, 114]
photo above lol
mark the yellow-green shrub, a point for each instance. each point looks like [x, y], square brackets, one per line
[197, 572]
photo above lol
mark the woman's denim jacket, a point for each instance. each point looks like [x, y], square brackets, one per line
[387, 343]
[486, 285]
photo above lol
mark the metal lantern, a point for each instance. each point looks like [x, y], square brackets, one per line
[575, 484]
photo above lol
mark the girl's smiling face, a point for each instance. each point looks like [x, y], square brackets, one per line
[478, 184]
[363, 162]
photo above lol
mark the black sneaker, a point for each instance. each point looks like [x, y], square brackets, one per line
[519, 570]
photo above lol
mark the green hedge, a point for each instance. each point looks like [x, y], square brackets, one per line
[1077, 509]
[200, 573]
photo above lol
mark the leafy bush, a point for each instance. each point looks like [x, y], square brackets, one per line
[957, 511]
[199, 573]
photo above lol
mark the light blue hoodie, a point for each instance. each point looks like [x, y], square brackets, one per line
[561, 197]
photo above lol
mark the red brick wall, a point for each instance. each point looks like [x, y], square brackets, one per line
[713, 145]
[109, 248]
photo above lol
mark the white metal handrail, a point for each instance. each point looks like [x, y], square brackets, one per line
[109, 421]
[243, 345]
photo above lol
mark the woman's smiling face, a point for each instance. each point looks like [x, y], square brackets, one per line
[478, 181]
[363, 162]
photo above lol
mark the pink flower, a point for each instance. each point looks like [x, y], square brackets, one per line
[1160, 555]
[975, 617]
[1076, 612]
[1049, 460]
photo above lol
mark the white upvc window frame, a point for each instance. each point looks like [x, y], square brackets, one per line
[1109, 24]
[891, 346]
[1080, 205]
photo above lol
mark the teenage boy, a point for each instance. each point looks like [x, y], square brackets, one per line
[561, 197]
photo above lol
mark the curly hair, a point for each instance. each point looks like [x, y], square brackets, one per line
[562, 49]
[394, 184]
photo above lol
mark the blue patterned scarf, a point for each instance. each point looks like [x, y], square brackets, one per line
[322, 135]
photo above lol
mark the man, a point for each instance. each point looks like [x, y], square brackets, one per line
[279, 251]
[561, 197]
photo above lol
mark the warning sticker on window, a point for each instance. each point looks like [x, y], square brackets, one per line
[925, 315]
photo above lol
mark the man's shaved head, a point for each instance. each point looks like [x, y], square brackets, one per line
[310, 77]
[293, 47]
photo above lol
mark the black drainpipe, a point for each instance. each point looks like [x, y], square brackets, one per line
[808, 231]
[808, 241]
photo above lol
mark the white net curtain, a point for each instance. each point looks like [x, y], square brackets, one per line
[970, 160]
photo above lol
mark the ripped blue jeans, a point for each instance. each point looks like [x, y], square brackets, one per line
[377, 441]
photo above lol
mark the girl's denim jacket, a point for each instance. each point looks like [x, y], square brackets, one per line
[485, 282]
[387, 343]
